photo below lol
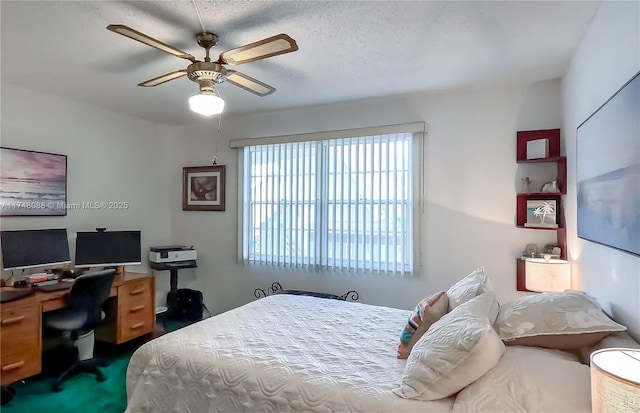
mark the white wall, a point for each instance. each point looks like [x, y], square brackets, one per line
[608, 57]
[469, 192]
[110, 157]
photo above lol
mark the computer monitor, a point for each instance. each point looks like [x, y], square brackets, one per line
[108, 249]
[34, 248]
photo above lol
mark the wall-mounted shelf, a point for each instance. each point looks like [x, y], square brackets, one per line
[552, 155]
[525, 137]
[521, 208]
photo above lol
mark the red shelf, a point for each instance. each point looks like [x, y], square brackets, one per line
[553, 155]
[531, 135]
[542, 228]
[561, 175]
[521, 281]
[540, 160]
[542, 195]
[521, 208]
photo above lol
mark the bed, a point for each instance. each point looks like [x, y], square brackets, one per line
[290, 353]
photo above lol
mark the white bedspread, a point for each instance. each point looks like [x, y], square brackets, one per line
[287, 353]
[281, 353]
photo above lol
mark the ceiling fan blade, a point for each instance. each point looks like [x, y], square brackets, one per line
[272, 46]
[248, 83]
[164, 78]
[149, 41]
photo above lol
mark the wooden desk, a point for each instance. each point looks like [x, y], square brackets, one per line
[130, 313]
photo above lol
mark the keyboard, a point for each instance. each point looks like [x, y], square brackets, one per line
[10, 295]
[53, 287]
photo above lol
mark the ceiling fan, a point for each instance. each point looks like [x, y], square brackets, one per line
[207, 73]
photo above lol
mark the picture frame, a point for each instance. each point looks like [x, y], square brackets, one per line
[540, 145]
[608, 171]
[203, 188]
[538, 148]
[542, 213]
[32, 183]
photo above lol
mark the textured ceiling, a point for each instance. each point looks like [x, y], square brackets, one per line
[348, 50]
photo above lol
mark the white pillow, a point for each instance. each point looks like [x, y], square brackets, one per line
[529, 379]
[563, 321]
[457, 350]
[470, 286]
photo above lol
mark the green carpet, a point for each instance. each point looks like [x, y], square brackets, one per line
[82, 393]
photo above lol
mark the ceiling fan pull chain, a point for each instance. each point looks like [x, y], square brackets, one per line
[199, 16]
[214, 161]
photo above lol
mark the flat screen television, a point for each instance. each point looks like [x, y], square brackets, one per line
[108, 249]
[34, 248]
[608, 171]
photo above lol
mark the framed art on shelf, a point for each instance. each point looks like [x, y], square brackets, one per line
[203, 188]
[608, 171]
[538, 148]
[32, 183]
[541, 145]
[541, 213]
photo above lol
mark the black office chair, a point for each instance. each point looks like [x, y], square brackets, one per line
[81, 314]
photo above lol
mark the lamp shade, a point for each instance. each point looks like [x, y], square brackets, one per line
[206, 103]
[615, 380]
[547, 274]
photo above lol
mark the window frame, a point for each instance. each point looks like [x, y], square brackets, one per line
[418, 131]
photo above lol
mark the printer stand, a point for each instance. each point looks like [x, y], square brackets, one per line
[173, 281]
[173, 268]
[172, 258]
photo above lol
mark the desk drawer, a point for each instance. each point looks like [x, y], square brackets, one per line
[134, 294]
[20, 341]
[136, 324]
[136, 317]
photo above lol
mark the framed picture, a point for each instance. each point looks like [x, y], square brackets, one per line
[537, 145]
[541, 213]
[608, 171]
[203, 188]
[538, 148]
[32, 183]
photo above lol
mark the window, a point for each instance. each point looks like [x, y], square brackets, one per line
[344, 203]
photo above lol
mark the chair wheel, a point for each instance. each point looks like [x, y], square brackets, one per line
[101, 378]
[7, 394]
[57, 388]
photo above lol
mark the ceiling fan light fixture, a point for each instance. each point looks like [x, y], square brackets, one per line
[206, 103]
[207, 73]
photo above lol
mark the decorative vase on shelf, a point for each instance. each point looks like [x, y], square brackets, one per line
[550, 186]
[526, 185]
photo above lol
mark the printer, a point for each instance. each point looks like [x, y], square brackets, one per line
[172, 257]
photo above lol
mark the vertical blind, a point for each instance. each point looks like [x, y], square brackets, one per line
[340, 203]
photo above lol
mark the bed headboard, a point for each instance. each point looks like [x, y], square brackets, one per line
[276, 288]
